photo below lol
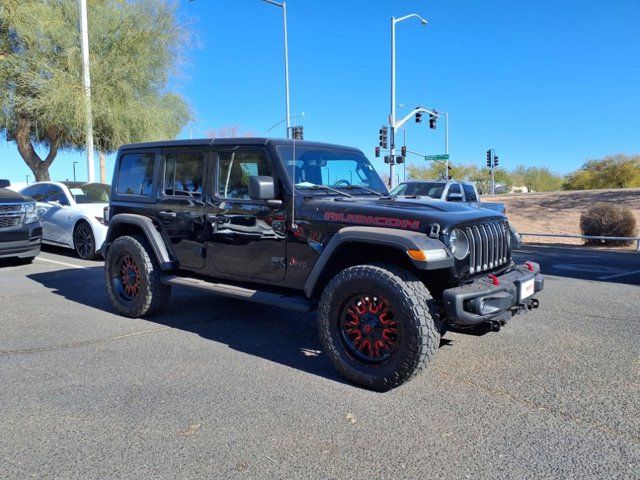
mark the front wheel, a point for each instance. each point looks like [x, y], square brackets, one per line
[133, 278]
[378, 325]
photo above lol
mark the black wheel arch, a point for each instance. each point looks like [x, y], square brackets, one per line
[131, 224]
[357, 245]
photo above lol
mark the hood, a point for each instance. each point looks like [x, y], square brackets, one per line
[91, 209]
[9, 196]
[400, 212]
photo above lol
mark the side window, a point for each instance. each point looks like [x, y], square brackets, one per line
[234, 170]
[53, 193]
[183, 174]
[470, 193]
[34, 191]
[455, 193]
[399, 190]
[135, 176]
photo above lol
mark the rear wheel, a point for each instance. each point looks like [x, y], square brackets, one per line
[133, 278]
[378, 325]
[84, 242]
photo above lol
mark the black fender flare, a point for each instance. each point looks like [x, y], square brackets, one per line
[401, 239]
[153, 236]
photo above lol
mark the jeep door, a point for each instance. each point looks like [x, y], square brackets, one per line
[246, 237]
[180, 207]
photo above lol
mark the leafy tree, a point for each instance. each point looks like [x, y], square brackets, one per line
[537, 179]
[134, 46]
[228, 131]
[616, 171]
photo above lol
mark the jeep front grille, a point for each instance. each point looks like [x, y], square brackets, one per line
[489, 246]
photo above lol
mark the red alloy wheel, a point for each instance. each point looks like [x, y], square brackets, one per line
[368, 328]
[130, 277]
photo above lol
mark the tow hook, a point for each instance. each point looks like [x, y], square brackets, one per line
[494, 325]
[535, 303]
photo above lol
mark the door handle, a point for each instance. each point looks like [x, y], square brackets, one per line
[218, 219]
[167, 215]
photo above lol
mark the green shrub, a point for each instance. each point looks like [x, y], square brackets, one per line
[608, 221]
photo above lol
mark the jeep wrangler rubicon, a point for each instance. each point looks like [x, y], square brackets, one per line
[304, 226]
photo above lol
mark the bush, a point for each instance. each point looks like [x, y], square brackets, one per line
[608, 221]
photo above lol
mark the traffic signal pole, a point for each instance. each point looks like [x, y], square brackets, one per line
[446, 141]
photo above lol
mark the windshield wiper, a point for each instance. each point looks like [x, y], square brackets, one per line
[323, 187]
[353, 187]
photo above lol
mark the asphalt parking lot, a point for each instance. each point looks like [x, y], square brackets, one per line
[216, 388]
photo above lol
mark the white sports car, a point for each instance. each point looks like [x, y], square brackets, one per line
[72, 214]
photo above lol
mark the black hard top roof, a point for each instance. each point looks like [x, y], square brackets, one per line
[249, 141]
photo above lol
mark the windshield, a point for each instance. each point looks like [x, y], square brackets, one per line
[90, 193]
[331, 167]
[429, 189]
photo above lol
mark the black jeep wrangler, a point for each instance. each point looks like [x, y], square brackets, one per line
[20, 228]
[305, 226]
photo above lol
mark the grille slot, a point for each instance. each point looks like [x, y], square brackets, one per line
[17, 208]
[8, 221]
[488, 246]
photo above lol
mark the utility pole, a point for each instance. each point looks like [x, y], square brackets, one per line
[84, 34]
[74, 171]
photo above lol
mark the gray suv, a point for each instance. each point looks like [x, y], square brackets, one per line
[20, 228]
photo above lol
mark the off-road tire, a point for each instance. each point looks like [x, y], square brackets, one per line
[415, 312]
[151, 294]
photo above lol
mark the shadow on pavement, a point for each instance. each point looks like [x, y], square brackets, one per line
[585, 264]
[277, 335]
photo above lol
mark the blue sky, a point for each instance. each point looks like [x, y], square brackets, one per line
[548, 83]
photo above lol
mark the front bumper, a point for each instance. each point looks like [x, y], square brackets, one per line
[493, 299]
[21, 242]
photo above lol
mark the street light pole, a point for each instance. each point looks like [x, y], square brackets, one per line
[283, 5]
[392, 116]
[84, 34]
[74, 171]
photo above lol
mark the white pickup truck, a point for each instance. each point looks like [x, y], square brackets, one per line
[447, 190]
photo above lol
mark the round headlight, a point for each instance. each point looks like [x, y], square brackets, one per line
[459, 244]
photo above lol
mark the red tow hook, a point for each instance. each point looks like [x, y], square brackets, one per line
[494, 279]
[529, 266]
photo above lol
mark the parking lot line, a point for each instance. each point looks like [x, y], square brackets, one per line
[617, 275]
[60, 263]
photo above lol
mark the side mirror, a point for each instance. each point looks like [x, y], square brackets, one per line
[261, 188]
[454, 197]
[4, 183]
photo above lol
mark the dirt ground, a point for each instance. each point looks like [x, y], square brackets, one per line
[559, 212]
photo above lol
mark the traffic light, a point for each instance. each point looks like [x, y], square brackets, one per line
[403, 152]
[449, 168]
[418, 116]
[377, 152]
[383, 137]
[433, 119]
[297, 133]
[400, 159]
[495, 160]
[489, 158]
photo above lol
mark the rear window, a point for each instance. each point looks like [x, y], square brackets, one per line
[136, 174]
